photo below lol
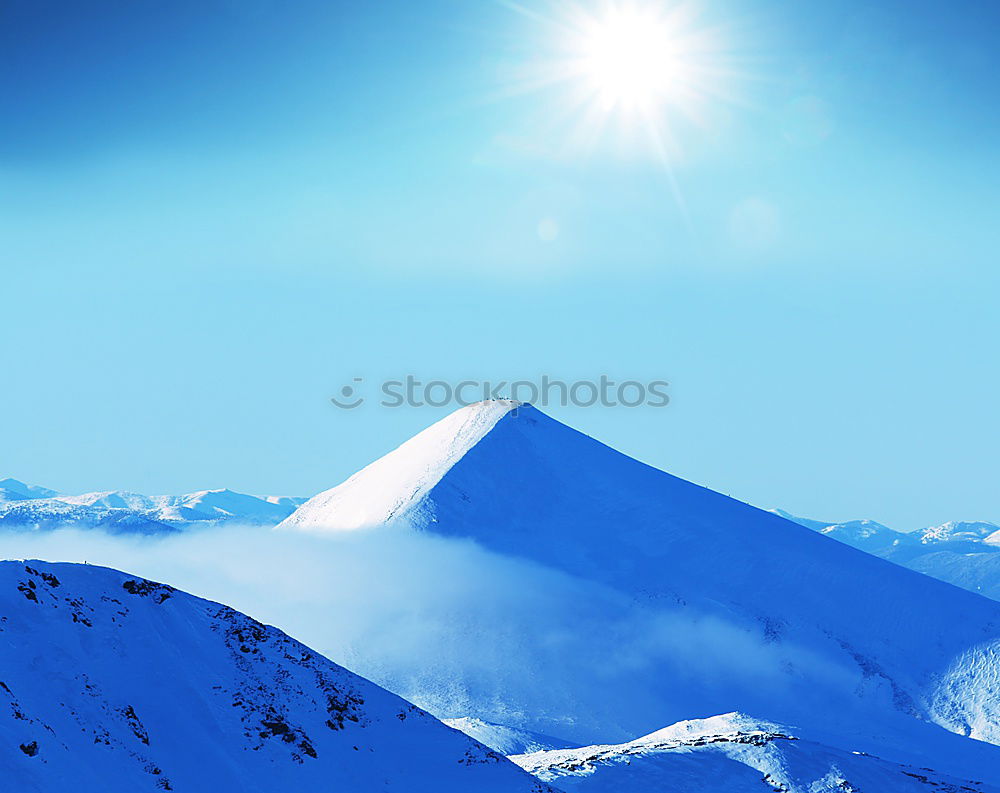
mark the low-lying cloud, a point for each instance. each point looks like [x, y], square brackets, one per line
[456, 628]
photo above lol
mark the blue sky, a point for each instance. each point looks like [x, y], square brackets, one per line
[213, 214]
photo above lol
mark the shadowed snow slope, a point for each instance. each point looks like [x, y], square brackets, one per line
[750, 611]
[731, 754]
[113, 683]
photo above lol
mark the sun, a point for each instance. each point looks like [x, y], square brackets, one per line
[631, 59]
[642, 75]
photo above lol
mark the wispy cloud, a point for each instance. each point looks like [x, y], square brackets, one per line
[456, 628]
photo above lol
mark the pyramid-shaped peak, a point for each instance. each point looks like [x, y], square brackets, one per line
[393, 485]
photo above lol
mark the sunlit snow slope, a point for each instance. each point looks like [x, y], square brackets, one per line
[732, 753]
[114, 683]
[398, 485]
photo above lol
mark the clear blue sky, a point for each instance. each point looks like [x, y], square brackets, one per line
[214, 213]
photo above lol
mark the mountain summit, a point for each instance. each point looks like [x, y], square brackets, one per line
[398, 485]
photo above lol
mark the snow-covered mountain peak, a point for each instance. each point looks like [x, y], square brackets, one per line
[394, 485]
[736, 728]
[833, 630]
[725, 724]
[862, 528]
[866, 535]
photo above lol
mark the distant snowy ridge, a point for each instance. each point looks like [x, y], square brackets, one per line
[963, 553]
[862, 532]
[114, 684]
[731, 753]
[28, 507]
[49, 513]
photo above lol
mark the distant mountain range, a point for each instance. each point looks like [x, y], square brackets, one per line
[28, 507]
[963, 553]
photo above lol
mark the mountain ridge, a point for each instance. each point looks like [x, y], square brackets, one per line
[112, 682]
[735, 753]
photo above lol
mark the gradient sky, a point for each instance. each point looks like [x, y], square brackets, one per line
[215, 213]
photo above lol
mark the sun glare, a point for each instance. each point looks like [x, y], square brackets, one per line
[630, 60]
[639, 71]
